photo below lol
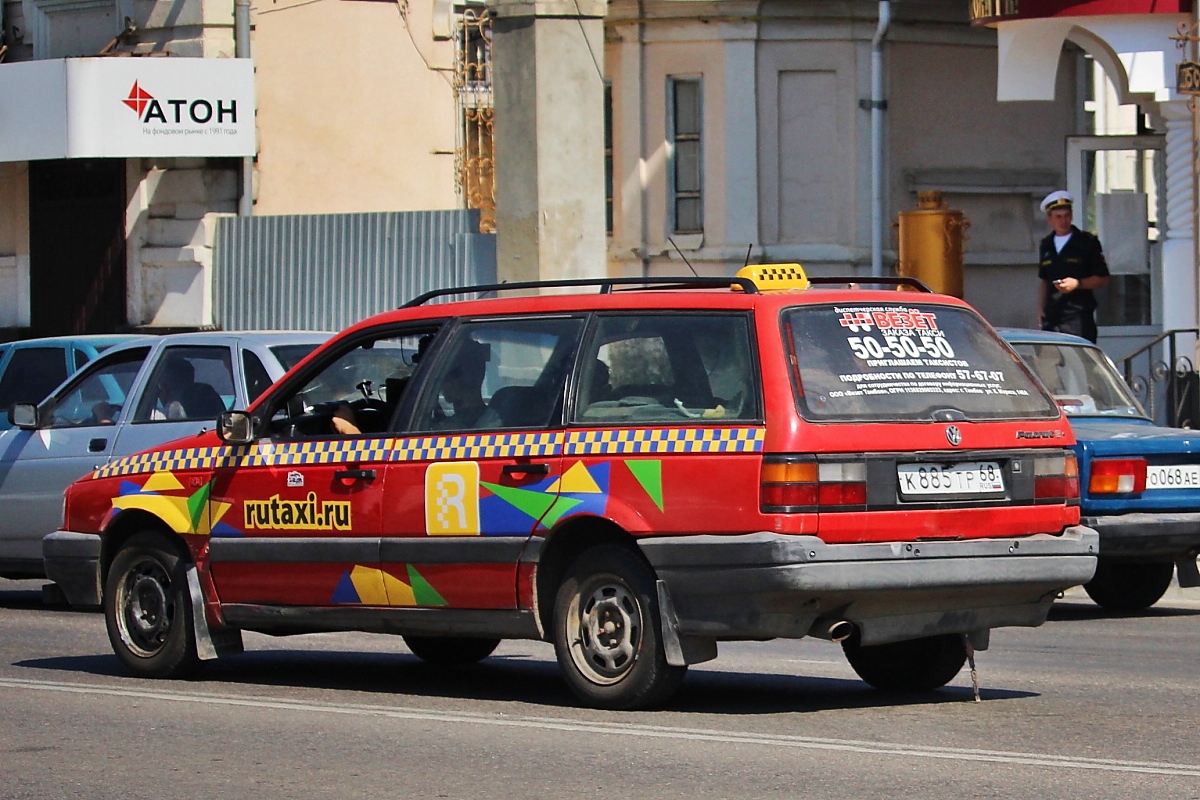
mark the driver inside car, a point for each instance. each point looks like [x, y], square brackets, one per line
[462, 388]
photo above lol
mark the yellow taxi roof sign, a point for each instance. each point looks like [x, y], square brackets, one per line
[774, 277]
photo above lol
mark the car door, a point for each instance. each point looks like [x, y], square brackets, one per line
[296, 515]
[201, 378]
[667, 418]
[476, 469]
[76, 435]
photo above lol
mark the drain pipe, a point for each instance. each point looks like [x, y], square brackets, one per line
[878, 104]
[241, 44]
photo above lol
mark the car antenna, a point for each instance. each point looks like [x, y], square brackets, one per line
[681, 255]
[749, 247]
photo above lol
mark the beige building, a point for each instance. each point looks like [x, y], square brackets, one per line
[735, 128]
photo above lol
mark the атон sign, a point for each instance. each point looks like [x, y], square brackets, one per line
[988, 11]
[126, 107]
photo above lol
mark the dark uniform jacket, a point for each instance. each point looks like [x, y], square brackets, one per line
[1081, 257]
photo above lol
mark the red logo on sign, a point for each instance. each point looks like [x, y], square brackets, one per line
[856, 320]
[138, 99]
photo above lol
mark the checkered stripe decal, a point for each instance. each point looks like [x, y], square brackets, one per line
[664, 440]
[474, 446]
[445, 448]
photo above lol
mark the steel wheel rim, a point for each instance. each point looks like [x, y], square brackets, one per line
[146, 610]
[604, 628]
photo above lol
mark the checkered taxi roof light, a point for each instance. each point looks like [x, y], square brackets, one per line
[774, 277]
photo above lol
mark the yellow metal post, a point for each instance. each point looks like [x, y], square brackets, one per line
[931, 244]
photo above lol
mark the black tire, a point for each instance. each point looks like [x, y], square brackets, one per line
[148, 609]
[450, 651]
[1129, 585]
[607, 632]
[915, 665]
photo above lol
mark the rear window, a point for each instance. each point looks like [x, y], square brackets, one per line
[907, 362]
[290, 355]
[32, 374]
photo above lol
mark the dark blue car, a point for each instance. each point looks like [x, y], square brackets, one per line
[1139, 482]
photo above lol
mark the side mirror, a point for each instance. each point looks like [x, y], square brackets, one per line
[235, 427]
[23, 416]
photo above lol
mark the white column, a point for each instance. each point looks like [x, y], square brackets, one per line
[1178, 293]
[548, 93]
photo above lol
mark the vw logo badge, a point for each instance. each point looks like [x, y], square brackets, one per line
[954, 435]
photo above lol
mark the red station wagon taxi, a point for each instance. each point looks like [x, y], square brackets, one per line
[633, 475]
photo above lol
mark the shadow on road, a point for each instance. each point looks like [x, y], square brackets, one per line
[519, 679]
[1087, 611]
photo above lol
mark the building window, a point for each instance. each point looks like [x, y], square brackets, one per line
[474, 152]
[608, 158]
[687, 197]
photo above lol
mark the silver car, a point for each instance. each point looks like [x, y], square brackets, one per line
[136, 395]
[32, 368]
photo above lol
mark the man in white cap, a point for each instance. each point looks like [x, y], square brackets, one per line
[1070, 266]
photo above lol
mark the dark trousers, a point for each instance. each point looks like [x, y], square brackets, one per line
[1077, 325]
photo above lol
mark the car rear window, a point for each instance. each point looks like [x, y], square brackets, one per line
[32, 374]
[290, 355]
[907, 362]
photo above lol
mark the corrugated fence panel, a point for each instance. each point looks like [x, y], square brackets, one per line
[327, 271]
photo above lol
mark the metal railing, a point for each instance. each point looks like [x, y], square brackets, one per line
[1165, 381]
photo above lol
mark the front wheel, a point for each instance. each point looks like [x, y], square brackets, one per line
[148, 610]
[607, 632]
[1129, 585]
[450, 651]
[915, 665]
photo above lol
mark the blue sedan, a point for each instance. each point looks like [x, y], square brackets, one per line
[1139, 482]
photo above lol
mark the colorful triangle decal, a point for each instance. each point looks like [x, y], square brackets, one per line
[648, 473]
[576, 480]
[345, 592]
[535, 504]
[423, 592]
[162, 482]
[399, 593]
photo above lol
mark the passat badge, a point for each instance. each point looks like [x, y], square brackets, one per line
[954, 436]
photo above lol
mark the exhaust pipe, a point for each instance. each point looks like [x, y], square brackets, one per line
[840, 631]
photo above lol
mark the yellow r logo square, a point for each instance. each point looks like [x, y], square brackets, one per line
[452, 498]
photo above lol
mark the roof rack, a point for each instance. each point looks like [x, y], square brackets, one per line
[604, 284]
[886, 280]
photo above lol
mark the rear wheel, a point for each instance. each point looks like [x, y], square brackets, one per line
[148, 610]
[607, 632]
[916, 665]
[450, 651]
[1129, 585]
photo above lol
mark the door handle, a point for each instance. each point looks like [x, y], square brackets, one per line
[526, 469]
[97, 445]
[355, 474]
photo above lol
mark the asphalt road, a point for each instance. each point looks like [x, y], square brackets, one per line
[1087, 706]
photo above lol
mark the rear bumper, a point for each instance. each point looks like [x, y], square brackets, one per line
[1167, 535]
[767, 585]
[72, 560]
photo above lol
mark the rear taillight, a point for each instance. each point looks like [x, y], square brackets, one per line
[1056, 478]
[1118, 476]
[791, 485]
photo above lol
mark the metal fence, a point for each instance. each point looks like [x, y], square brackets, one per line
[327, 271]
[1164, 379]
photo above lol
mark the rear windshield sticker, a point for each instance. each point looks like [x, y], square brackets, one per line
[888, 338]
